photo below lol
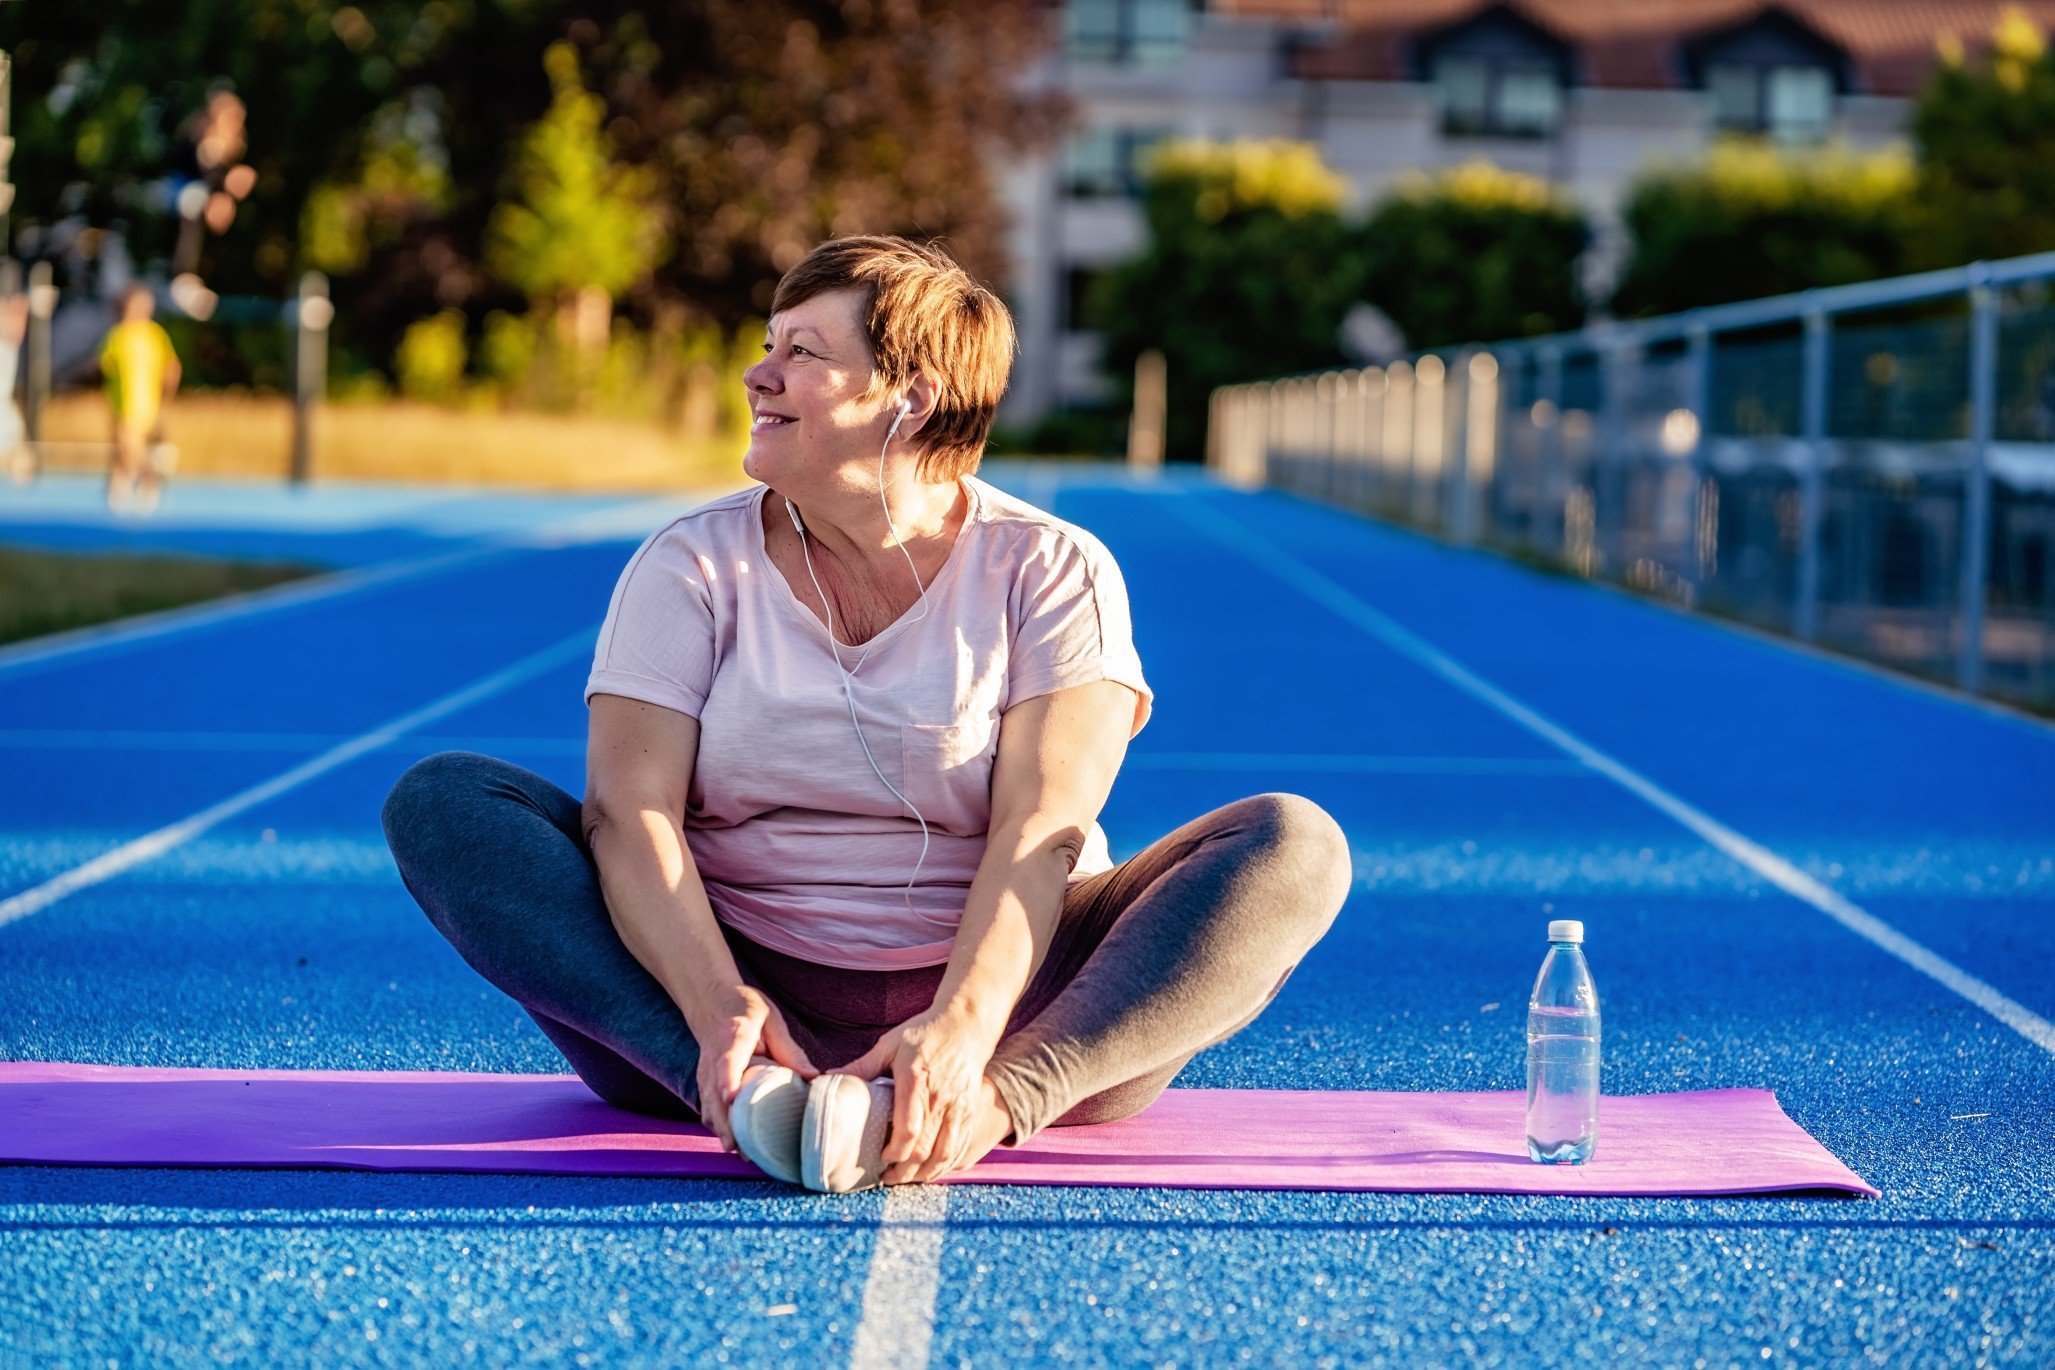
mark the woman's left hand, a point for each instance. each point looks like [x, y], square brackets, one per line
[937, 1062]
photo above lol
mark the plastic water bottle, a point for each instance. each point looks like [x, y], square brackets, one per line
[1562, 1052]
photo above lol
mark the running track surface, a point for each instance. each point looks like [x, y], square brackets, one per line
[1794, 873]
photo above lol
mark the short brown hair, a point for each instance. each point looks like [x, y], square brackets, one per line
[921, 313]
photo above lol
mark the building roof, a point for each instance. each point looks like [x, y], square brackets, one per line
[1639, 44]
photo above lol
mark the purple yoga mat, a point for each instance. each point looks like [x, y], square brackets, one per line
[1718, 1141]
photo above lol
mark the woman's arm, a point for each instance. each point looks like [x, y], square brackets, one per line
[1057, 759]
[638, 769]
[1058, 754]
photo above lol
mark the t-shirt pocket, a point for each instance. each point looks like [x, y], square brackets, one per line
[947, 770]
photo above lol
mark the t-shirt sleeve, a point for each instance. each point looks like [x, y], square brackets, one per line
[657, 644]
[1074, 625]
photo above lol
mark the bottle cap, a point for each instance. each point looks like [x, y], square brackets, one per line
[1566, 930]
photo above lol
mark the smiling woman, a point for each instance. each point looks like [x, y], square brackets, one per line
[851, 731]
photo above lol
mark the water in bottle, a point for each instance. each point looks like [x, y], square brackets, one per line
[1562, 1052]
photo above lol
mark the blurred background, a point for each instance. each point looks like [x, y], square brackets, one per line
[580, 210]
[531, 243]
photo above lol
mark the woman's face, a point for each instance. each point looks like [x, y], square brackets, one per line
[804, 396]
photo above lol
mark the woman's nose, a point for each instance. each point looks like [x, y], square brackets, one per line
[759, 375]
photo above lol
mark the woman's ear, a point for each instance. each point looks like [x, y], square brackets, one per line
[918, 404]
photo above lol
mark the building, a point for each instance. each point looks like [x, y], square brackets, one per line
[1582, 92]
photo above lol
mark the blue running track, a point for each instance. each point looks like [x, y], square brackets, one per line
[1795, 873]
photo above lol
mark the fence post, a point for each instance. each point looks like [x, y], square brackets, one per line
[311, 314]
[1548, 455]
[1430, 437]
[36, 381]
[1976, 478]
[1609, 512]
[1812, 489]
[1698, 398]
[1454, 476]
[1145, 423]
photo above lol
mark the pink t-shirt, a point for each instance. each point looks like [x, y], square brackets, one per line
[800, 846]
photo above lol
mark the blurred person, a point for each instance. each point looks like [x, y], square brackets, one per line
[873, 663]
[142, 373]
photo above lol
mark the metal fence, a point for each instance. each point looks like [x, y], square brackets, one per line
[66, 335]
[1868, 467]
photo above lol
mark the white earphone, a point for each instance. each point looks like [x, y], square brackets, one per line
[835, 647]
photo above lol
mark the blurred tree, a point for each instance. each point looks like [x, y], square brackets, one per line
[380, 133]
[1752, 220]
[117, 87]
[1986, 139]
[431, 357]
[581, 228]
[781, 123]
[1475, 254]
[1248, 272]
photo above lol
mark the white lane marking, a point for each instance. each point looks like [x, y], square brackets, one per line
[898, 1322]
[1366, 764]
[110, 864]
[629, 521]
[74, 642]
[102, 739]
[1757, 858]
[85, 739]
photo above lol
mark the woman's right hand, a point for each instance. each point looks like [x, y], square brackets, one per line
[744, 1023]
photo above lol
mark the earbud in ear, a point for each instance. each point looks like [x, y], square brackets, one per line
[905, 408]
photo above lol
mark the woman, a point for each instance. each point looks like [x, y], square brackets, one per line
[837, 886]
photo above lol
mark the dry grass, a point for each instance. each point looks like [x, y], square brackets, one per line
[48, 592]
[396, 440]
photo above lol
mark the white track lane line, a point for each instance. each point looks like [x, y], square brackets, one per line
[1366, 764]
[898, 1321]
[615, 523]
[116, 740]
[69, 645]
[1757, 858]
[92, 740]
[113, 863]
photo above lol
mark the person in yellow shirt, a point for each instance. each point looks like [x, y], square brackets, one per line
[142, 374]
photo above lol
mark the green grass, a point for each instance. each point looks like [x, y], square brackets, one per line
[48, 592]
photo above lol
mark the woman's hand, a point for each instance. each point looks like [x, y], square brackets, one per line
[742, 1024]
[937, 1063]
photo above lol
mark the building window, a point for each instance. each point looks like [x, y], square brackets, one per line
[1108, 162]
[1143, 33]
[1504, 99]
[1790, 103]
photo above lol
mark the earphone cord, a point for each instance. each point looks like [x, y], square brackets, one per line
[848, 674]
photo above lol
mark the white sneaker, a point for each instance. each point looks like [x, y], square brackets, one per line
[842, 1138]
[765, 1118]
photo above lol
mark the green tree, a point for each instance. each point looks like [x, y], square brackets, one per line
[1475, 254]
[1247, 273]
[780, 123]
[381, 132]
[1986, 140]
[1751, 220]
[581, 227]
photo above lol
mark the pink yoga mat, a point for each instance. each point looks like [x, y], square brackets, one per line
[1719, 1141]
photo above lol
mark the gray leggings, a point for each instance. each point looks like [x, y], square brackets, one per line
[1169, 952]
